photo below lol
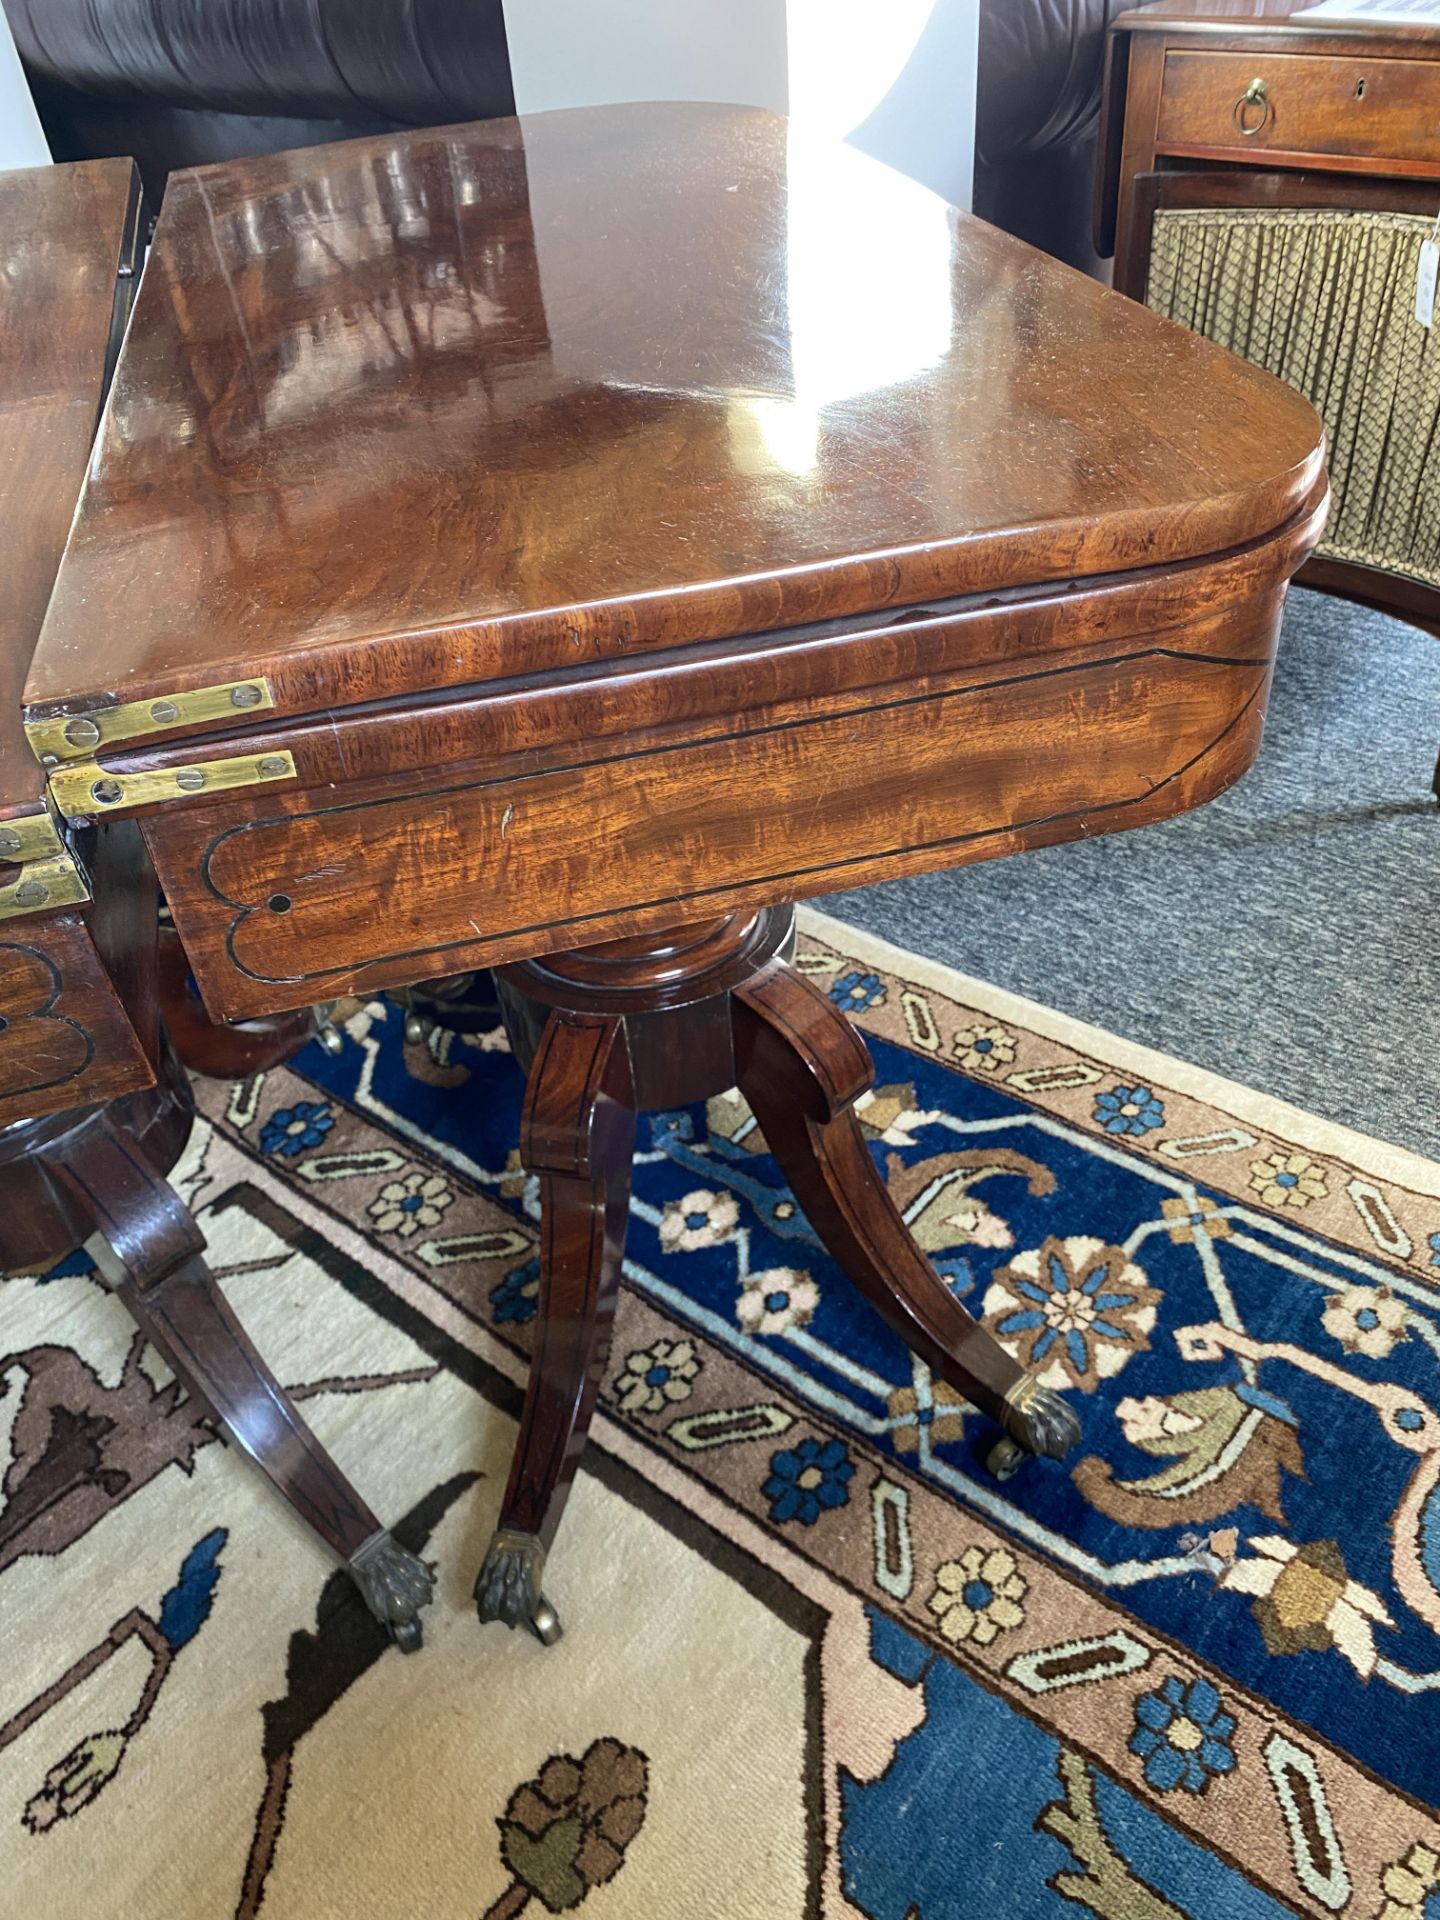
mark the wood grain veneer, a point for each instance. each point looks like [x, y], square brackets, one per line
[445, 407]
[67, 231]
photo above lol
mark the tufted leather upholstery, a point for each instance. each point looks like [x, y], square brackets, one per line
[180, 81]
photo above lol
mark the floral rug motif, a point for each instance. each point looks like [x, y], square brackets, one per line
[817, 1660]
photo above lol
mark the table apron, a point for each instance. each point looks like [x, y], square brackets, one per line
[284, 900]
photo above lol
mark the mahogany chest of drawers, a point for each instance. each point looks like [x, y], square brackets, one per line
[1270, 181]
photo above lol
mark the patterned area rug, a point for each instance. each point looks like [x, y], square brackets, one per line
[817, 1662]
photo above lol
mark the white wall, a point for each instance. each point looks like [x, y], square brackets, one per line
[22, 144]
[582, 53]
[895, 76]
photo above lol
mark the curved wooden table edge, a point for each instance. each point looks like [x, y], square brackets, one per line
[464, 653]
[1209, 686]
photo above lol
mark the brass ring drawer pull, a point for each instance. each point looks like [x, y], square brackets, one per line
[1257, 94]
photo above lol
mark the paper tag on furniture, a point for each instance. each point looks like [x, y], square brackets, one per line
[1425, 286]
[1391, 12]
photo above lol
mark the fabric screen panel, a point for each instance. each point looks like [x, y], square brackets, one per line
[1325, 298]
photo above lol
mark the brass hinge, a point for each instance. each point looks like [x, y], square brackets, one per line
[42, 885]
[30, 836]
[83, 790]
[61, 736]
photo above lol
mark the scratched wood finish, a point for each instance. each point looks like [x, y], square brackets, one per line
[65, 1039]
[450, 406]
[921, 745]
[66, 231]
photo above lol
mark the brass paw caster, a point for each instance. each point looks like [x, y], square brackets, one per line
[508, 1586]
[1037, 1422]
[395, 1586]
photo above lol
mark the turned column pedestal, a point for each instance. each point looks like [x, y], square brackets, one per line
[607, 1032]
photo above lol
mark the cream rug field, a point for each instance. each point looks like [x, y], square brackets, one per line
[816, 1661]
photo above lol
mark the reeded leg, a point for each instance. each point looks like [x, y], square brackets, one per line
[578, 1133]
[802, 1066]
[152, 1254]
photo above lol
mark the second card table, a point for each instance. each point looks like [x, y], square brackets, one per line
[95, 1105]
[558, 544]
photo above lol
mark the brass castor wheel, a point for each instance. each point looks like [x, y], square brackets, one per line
[395, 1586]
[508, 1586]
[326, 1032]
[407, 1635]
[1037, 1423]
[1005, 1458]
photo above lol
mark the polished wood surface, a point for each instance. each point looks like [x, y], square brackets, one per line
[94, 1107]
[461, 405]
[1238, 16]
[1379, 115]
[581, 810]
[1347, 97]
[632, 1025]
[65, 233]
[65, 1039]
[97, 1176]
[578, 1135]
[1352, 120]
[644, 517]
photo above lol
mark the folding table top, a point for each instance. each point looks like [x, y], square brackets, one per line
[456, 405]
[63, 231]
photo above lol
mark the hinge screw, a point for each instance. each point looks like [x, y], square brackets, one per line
[165, 713]
[245, 696]
[31, 893]
[82, 733]
[107, 792]
[9, 840]
[190, 779]
[272, 766]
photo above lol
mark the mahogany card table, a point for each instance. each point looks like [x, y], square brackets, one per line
[558, 544]
[95, 1107]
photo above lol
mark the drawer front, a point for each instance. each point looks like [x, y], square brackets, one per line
[65, 1040]
[1297, 103]
[301, 898]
